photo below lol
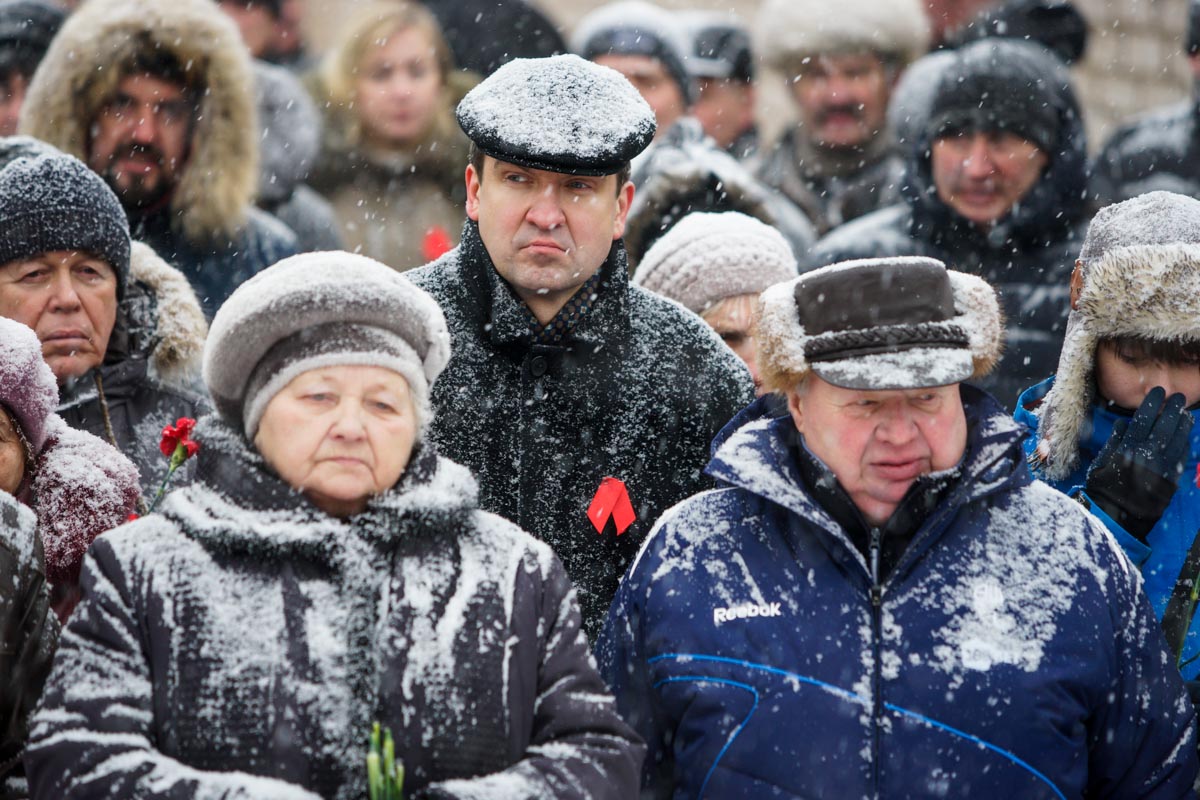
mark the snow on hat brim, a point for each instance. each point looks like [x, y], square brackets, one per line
[707, 257]
[560, 114]
[782, 341]
[1148, 291]
[28, 389]
[308, 291]
[787, 31]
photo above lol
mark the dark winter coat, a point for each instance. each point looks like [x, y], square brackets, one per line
[1160, 557]
[1010, 652]
[210, 230]
[832, 190]
[291, 138]
[1158, 151]
[28, 636]
[392, 206]
[636, 394]
[446, 624]
[1028, 255]
[150, 375]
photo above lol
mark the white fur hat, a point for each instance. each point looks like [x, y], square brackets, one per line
[705, 258]
[788, 30]
[933, 335]
[1140, 266]
[317, 310]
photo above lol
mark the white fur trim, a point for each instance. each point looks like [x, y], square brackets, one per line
[786, 30]
[180, 324]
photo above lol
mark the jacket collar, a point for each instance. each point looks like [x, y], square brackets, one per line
[505, 318]
[238, 504]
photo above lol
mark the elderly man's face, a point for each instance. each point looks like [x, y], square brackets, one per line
[982, 175]
[843, 98]
[69, 298]
[140, 140]
[653, 81]
[877, 443]
[546, 232]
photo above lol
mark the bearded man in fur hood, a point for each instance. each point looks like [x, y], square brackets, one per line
[158, 98]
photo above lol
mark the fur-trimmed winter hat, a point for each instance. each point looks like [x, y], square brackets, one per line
[636, 28]
[318, 310]
[28, 390]
[879, 323]
[1140, 270]
[55, 202]
[705, 258]
[788, 31]
[561, 114]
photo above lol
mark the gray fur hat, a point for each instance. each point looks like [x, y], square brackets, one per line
[318, 310]
[787, 31]
[1140, 270]
[637, 28]
[879, 323]
[706, 257]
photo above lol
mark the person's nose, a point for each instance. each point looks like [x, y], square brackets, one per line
[63, 296]
[546, 211]
[896, 426]
[145, 127]
[978, 162]
[348, 423]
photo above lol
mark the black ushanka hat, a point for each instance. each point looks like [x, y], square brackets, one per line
[561, 114]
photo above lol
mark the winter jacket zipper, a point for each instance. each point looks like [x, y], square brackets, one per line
[876, 633]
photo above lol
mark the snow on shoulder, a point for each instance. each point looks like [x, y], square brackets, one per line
[562, 114]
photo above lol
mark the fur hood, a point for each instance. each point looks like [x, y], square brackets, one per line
[788, 30]
[82, 69]
[162, 320]
[1144, 290]
[684, 172]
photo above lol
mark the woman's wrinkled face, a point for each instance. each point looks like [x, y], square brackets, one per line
[12, 455]
[399, 88]
[340, 434]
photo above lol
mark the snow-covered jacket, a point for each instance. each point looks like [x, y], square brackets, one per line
[1009, 653]
[291, 138]
[1160, 150]
[151, 370]
[395, 205]
[833, 189]
[211, 230]
[240, 643]
[636, 393]
[1161, 556]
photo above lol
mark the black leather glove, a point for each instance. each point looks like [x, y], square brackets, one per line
[1137, 472]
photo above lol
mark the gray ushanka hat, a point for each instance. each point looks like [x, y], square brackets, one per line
[880, 323]
[318, 310]
[561, 114]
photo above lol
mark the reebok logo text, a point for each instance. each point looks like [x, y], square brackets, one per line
[745, 612]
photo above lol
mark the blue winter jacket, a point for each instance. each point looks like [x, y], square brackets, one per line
[1161, 556]
[1009, 654]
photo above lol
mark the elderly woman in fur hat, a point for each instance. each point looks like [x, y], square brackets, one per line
[59, 489]
[1114, 425]
[121, 330]
[326, 570]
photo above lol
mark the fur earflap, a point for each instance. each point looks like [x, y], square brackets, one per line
[781, 338]
[1150, 291]
[787, 31]
[81, 71]
[180, 327]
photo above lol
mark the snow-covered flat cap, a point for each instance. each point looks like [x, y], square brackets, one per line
[880, 323]
[319, 310]
[705, 258]
[561, 114]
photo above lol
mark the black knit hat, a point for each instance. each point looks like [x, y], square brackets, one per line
[26, 28]
[633, 37]
[989, 89]
[561, 114]
[55, 202]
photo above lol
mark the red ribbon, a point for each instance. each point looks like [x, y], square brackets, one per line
[611, 500]
[436, 243]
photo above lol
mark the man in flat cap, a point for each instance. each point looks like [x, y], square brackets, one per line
[584, 406]
[881, 601]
